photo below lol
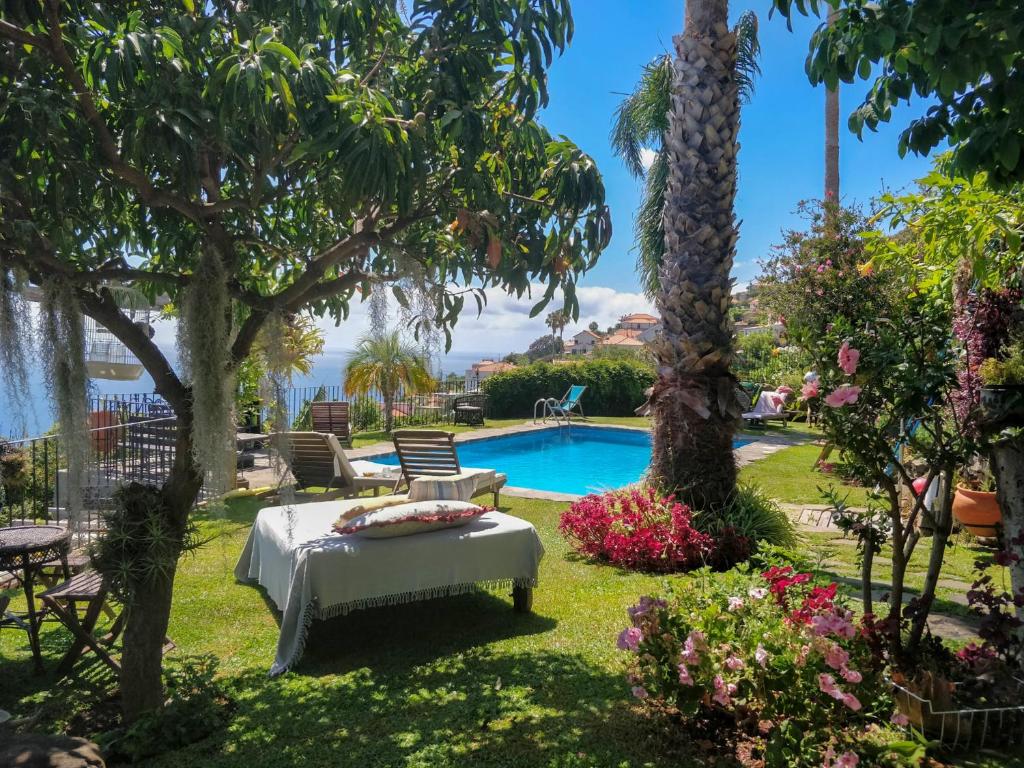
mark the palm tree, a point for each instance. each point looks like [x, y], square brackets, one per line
[832, 146]
[694, 404]
[557, 321]
[638, 138]
[387, 364]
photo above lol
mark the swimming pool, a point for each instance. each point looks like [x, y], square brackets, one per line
[576, 460]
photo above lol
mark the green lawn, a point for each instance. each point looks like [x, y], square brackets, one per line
[456, 682]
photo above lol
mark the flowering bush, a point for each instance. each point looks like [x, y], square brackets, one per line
[775, 651]
[640, 529]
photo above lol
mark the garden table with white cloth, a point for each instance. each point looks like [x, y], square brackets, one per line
[310, 572]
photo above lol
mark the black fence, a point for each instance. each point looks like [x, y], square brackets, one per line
[132, 438]
[368, 411]
[133, 447]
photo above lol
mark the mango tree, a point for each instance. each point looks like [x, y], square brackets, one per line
[255, 160]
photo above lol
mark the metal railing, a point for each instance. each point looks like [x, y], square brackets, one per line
[34, 474]
[133, 439]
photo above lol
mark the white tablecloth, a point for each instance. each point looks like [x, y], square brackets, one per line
[312, 573]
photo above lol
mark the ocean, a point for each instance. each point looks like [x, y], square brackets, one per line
[34, 416]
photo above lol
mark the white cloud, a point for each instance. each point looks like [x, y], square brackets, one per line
[647, 158]
[505, 324]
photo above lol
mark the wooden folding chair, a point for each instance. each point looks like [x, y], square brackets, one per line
[332, 417]
[63, 601]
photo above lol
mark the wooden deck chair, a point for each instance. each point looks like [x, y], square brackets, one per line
[332, 417]
[316, 460]
[431, 453]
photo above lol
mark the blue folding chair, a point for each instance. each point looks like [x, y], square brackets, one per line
[563, 409]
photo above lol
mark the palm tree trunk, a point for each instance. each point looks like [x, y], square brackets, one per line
[832, 143]
[389, 412]
[694, 403]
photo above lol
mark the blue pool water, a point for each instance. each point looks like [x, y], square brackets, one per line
[566, 460]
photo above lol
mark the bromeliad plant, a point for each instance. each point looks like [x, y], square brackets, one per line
[637, 528]
[775, 652]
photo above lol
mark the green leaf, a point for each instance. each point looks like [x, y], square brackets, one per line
[1009, 152]
[284, 51]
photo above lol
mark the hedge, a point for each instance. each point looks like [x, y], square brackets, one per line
[614, 387]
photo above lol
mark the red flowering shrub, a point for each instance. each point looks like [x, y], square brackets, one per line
[638, 528]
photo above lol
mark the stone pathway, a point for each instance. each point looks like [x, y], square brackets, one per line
[815, 518]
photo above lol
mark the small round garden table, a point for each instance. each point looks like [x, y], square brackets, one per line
[28, 549]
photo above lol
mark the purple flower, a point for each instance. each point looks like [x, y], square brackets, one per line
[629, 639]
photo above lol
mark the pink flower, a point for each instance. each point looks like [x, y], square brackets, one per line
[629, 639]
[851, 701]
[827, 684]
[821, 268]
[844, 394]
[848, 358]
[809, 391]
[684, 675]
[836, 657]
[723, 691]
[735, 604]
[847, 760]
[734, 663]
[898, 718]
[851, 675]
[761, 656]
[758, 593]
[639, 692]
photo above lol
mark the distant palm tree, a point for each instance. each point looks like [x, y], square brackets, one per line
[385, 363]
[638, 138]
[694, 404]
[557, 321]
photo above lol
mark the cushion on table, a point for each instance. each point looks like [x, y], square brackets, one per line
[411, 518]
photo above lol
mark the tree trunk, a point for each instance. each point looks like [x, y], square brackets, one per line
[389, 412]
[150, 610]
[694, 403]
[142, 687]
[940, 536]
[832, 135]
[1008, 468]
[867, 566]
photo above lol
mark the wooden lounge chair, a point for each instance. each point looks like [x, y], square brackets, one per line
[770, 406]
[469, 409]
[431, 453]
[332, 418]
[316, 460]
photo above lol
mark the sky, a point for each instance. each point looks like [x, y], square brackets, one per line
[781, 160]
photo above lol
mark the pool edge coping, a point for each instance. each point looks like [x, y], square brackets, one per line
[759, 447]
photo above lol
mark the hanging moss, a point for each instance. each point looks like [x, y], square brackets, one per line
[204, 330]
[276, 380]
[15, 340]
[62, 344]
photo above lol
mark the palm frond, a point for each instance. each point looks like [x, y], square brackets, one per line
[748, 51]
[642, 118]
[649, 228]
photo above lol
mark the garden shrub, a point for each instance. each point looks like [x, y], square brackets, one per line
[197, 706]
[639, 529]
[614, 387]
[774, 652]
[752, 514]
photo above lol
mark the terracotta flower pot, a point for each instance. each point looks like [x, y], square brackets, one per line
[977, 511]
[102, 432]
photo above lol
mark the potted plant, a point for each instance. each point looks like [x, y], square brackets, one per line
[974, 504]
[1002, 393]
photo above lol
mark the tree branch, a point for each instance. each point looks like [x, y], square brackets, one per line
[150, 194]
[16, 34]
[102, 308]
